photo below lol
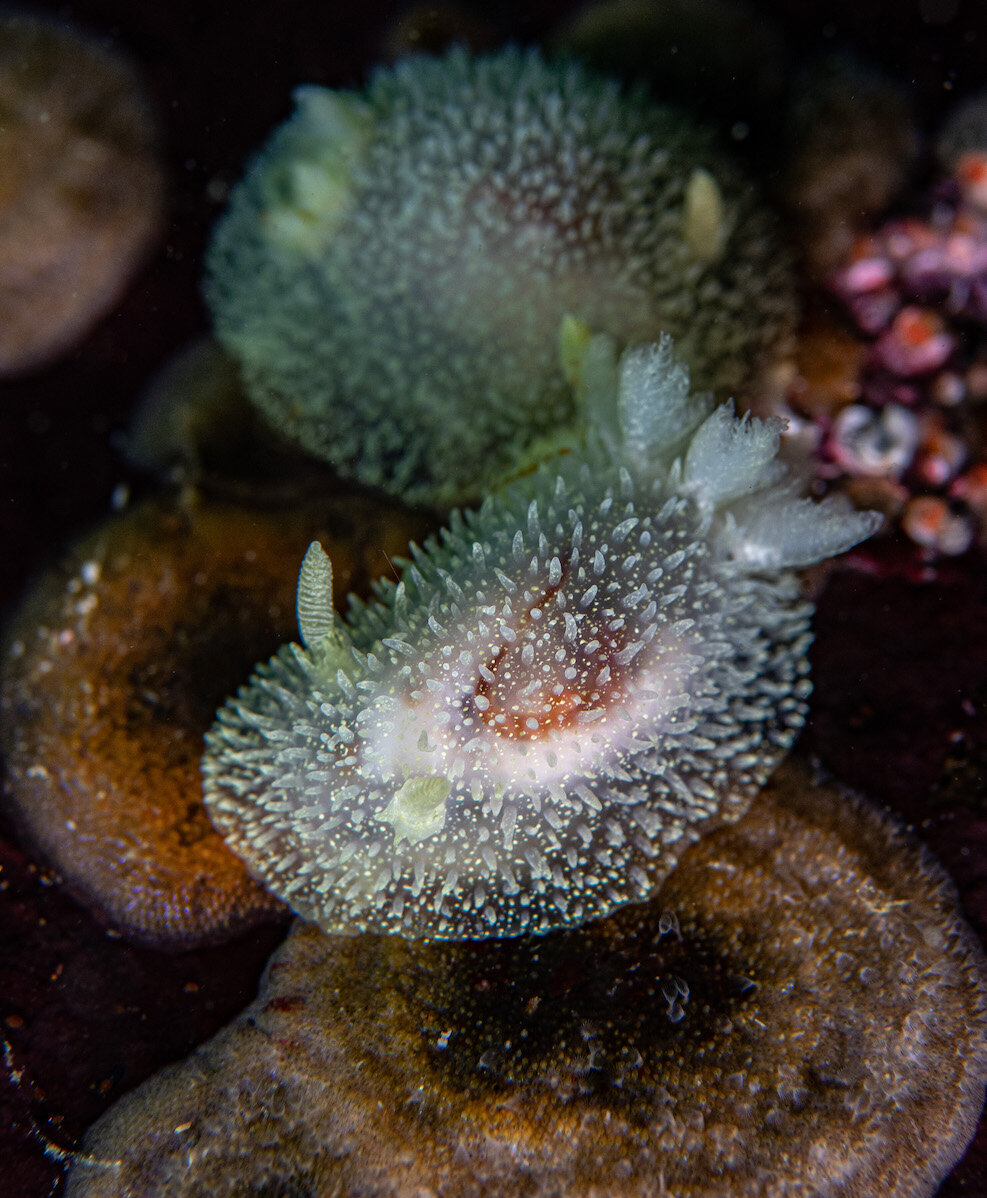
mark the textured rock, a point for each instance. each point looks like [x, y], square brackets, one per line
[82, 189]
[801, 1013]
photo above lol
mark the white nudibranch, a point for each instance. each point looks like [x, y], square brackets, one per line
[506, 190]
[565, 689]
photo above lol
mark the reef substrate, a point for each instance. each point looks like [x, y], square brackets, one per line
[801, 1012]
[82, 195]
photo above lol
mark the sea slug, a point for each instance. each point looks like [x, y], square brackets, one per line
[394, 269]
[564, 690]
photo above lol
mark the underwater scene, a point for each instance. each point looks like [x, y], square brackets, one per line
[493, 669]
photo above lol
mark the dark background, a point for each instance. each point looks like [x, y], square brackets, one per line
[85, 1016]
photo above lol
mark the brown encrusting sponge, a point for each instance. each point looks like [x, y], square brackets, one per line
[81, 191]
[801, 1012]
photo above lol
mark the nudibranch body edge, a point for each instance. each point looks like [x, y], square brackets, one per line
[565, 689]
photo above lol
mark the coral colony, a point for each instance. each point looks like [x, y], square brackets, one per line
[799, 1015]
[394, 269]
[917, 290]
[563, 691]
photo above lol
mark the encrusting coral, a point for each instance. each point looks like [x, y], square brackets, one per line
[82, 189]
[393, 272]
[901, 423]
[802, 1014]
[564, 690]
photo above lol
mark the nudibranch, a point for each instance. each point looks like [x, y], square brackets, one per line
[566, 687]
[393, 271]
[802, 1013]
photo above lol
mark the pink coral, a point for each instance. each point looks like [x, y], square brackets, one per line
[912, 420]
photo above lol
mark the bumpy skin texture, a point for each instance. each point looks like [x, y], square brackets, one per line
[393, 271]
[801, 1014]
[566, 688]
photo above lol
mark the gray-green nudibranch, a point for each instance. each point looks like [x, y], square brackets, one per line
[393, 270]
[564, 690]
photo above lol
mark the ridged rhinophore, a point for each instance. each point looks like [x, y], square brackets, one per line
[393, 271]
[564, 690]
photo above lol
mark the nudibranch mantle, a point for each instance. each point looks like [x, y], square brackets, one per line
[566, 687]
